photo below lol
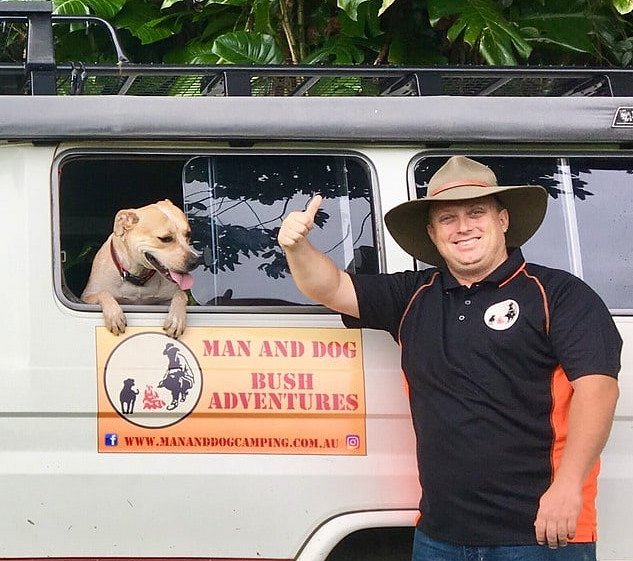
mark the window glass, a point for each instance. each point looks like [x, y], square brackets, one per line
[604, 208]
[236, 204]
[548, 246]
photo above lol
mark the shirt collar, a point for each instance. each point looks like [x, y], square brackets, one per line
[502, 274]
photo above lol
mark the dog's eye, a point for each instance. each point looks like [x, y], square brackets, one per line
[166, 239]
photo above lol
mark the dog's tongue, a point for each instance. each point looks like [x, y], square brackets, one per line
[183, 280]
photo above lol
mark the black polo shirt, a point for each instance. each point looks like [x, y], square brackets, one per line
[489, 370]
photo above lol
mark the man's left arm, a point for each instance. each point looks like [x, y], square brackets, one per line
[590, 418]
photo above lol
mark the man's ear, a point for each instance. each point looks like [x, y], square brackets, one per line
[124, 221]
[504, 217]
[431, 232]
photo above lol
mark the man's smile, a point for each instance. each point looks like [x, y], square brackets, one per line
[467, 242]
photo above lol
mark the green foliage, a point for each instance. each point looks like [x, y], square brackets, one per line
[623, 6]
[144, 20]
[481, 24]
[411, 32]
[569, 24]
[103, 8]
[241, 47]
[350, 7]
[337, 50]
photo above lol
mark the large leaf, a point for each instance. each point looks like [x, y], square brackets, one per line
[241, 47]
[385, 6]
[169, 3]
[146, 22]
[337, 50]
[564, 23]
[623, 6]
[261, 11]
[218, 24]
[101, 8]
[366, 24]
[482, 25]
[71, 8]
[350, 7]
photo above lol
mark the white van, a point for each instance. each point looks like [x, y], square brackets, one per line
[294, 441]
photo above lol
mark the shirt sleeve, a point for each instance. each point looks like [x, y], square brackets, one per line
[383, 298]
[583, 333]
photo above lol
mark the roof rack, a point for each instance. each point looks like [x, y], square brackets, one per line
[40, 74]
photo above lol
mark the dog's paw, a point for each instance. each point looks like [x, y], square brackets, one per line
[175, 325]
[115, 319]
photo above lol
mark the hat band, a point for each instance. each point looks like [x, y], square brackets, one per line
[461, 183]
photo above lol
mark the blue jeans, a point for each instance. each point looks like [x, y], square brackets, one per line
[427, 549]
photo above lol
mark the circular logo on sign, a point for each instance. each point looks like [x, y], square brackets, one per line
[502, 315]
[152, 380]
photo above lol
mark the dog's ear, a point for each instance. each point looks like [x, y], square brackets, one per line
[124, 221]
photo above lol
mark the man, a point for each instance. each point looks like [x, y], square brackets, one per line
[178, 378]
[512, 367]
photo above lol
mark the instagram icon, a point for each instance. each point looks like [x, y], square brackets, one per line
[352, 441]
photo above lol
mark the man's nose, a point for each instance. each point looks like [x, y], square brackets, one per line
[464, 223]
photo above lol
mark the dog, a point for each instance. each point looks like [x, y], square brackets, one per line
[127, 397]
[146, 260]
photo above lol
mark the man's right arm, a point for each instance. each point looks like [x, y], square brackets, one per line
[314, 273]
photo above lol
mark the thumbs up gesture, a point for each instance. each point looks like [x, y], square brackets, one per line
[297, 224]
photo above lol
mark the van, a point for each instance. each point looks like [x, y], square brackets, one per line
[294, 439]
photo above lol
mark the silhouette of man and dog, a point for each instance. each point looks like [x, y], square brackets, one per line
[178, 379]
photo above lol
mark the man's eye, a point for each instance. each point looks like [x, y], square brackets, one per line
[166, 239]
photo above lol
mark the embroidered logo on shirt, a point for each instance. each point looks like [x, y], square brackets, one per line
[502, 315]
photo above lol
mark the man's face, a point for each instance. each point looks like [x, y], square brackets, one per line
[470, 236]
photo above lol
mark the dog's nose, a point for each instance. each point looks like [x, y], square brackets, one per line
[193, 261]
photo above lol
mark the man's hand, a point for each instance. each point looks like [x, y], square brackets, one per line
[314, 273]
[590, 416]
[298, 224]
[557, 515]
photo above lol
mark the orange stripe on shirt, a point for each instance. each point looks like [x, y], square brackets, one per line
[408, 307]
[562, 391]
[543, 295]
[404, 378]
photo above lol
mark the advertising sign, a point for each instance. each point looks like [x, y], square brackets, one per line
[231, 390]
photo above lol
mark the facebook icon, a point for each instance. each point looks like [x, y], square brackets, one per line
[111, 439]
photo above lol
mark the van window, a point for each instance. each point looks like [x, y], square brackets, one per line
[587, 228]
[604, 209]
[235, 204]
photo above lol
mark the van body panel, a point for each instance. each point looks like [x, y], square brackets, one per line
[67, 499]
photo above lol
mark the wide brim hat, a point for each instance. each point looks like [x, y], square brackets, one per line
[461, 178]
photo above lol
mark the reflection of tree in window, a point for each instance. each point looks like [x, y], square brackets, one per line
[509, 171]
[236, 204]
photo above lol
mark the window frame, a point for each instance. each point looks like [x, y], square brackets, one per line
[73, 302]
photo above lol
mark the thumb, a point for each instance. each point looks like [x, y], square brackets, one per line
[313, 206]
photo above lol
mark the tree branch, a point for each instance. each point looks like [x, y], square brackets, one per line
[286, 24]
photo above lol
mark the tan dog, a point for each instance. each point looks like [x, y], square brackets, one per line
[146, 260]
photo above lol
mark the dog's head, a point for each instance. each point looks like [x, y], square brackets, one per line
[157, 236]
